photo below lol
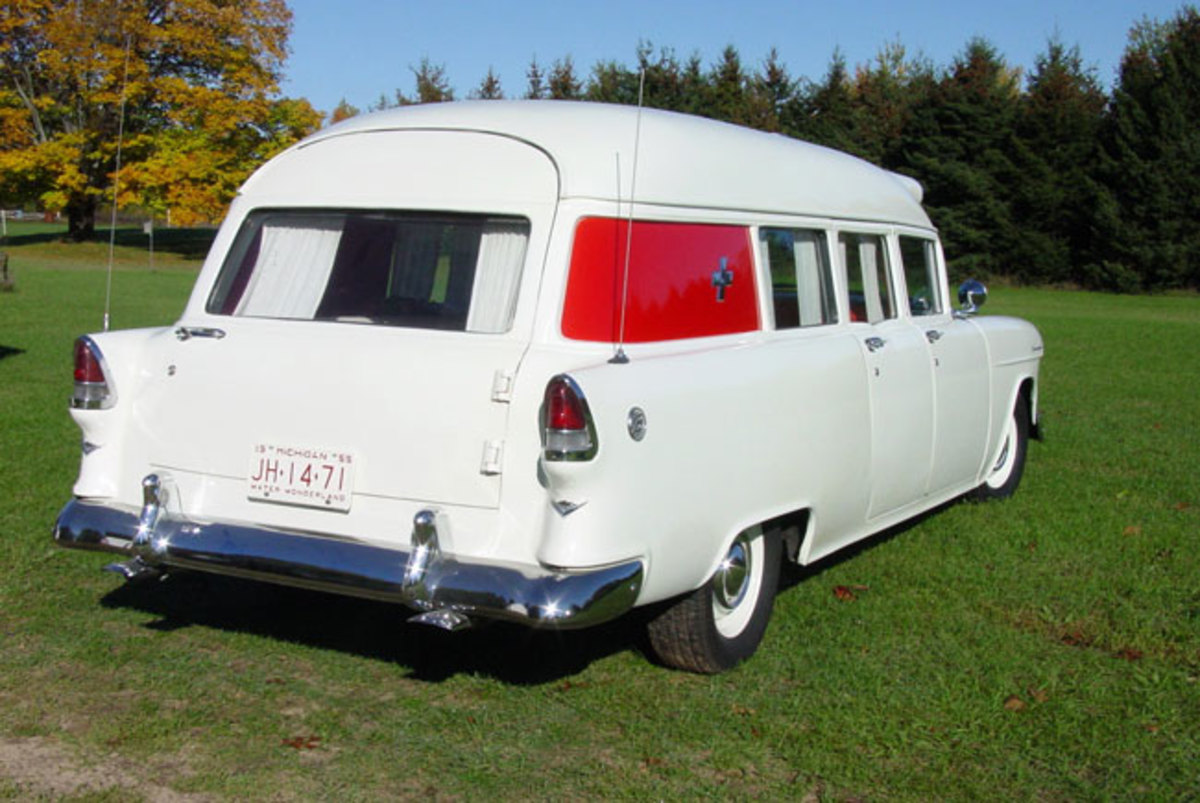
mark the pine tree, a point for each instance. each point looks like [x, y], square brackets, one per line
[432, 84]
[728, 88]
[774, 91]
[885, 94]
[611, 82]
[959, 145]
[489, 87]
[824, 112]
[1149, 236]
[535, 87]
[563, 83]
[1055, 155]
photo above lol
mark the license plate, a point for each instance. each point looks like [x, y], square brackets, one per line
[296, 475]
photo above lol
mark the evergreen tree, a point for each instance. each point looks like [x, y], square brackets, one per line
[489, 87]
[611, 82]
[563, 83]
[1055, 157]
[1149, 236]
[824, 112]
[432, 84]
[535, 87]
[728, 91]
[773, 90]
[665, 87]
[959, 144]
[885, 94]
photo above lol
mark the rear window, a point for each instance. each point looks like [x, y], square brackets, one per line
[427, 271]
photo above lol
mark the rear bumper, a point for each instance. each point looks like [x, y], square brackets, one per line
[446, 590]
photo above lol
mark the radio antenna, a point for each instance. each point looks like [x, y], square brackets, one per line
[620, 357]
[112, 225]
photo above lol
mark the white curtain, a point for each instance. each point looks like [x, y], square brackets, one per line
[292, 270]
[807, 248]
[494, 297]
[418, 248]
[868, 256]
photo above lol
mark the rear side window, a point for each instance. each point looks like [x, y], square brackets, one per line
[801, 279]
[455, 272]
[871, 296]
[685, 280]
[921, 275]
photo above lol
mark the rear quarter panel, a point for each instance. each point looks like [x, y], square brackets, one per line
[737, 433]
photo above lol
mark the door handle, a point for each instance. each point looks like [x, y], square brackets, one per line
[933, 335]
[187, 332]
[875, 343]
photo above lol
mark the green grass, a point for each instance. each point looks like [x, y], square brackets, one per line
[1046, 647]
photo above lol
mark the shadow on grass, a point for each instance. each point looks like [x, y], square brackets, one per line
[793, 574]
[10, 351]
[380, 631]
[376, 630]
[187, 243]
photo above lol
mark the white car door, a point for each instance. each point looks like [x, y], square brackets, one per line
[959, 360]
[899, 375]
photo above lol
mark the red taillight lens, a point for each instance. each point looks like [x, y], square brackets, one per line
[92, 390]
[563, 408]
[567, 429]
[87, 366]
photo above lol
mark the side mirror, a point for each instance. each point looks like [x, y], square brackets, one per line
[972, 294]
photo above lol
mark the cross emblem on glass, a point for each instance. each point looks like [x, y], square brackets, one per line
[722, 278]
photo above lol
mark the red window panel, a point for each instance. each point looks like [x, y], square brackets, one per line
[677, 288]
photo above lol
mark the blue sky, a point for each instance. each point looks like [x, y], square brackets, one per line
[360, 49]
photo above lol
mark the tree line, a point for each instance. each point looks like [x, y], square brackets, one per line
[1041, 177]
[181, 94]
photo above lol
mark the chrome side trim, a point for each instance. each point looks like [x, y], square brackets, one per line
[423, 578]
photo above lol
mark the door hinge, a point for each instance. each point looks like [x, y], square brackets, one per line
[493, 454]
[502, 382]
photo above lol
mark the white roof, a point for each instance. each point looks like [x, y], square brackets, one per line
[681, 160]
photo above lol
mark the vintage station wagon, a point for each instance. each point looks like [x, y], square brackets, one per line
[548, 362]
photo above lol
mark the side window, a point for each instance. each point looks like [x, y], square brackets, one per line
[921, 275]
[801, 279]
[685, 280]
[865, 259]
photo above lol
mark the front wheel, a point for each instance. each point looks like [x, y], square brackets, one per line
[1005, 473]
[721, 623]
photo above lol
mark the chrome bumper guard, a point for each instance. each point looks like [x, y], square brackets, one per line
[446, 591]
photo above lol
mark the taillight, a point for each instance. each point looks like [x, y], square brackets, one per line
[92, 388]
[568, 432]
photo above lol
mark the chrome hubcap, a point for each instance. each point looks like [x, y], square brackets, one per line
[733, 575]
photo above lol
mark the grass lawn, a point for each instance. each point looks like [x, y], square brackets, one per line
[1045, 647]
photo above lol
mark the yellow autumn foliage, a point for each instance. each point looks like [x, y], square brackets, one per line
[198, 83]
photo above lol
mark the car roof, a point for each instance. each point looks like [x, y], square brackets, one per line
[681, 160]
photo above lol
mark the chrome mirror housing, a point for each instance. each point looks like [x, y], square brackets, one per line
[972, 294]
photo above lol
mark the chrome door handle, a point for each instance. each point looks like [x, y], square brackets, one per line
[187, 332]
[875, 343]
[933, 335]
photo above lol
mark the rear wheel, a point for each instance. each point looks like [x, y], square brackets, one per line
[721, 623]
[1005, 473]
